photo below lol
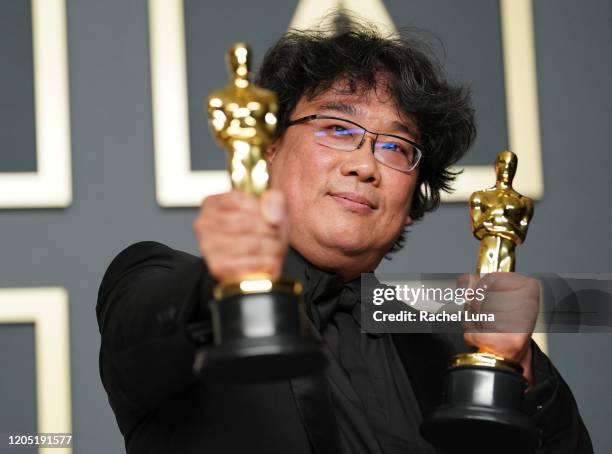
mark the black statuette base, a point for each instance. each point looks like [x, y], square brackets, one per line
[481, 411]
[259, 336]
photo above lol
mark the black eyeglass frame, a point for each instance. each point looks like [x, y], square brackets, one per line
[416, 146]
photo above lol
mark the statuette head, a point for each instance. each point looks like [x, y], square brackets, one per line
[505, 167]
[239, 64]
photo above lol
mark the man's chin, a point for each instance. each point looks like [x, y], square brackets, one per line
[347, 244]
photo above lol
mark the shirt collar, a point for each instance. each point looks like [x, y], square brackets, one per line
[325, 293]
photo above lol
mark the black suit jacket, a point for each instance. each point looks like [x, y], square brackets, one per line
[151, 316]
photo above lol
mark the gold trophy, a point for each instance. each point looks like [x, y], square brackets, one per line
[259, 324]
[500, 218]
[483, 393]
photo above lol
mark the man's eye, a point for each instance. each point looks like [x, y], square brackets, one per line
[391, 147]
[339, 130]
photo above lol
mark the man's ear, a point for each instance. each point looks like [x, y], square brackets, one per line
[271, 151]
[407, 221]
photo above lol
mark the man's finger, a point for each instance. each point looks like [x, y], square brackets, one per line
[232, 201]
[239, 223]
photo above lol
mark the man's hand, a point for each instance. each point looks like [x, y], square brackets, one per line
[239, 234]
[514, 301]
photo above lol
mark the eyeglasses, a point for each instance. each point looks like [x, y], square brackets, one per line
[393, 151]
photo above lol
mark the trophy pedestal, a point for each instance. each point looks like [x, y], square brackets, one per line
[481, 409]
[259, 336]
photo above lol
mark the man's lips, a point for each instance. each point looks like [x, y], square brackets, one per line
[355, 198]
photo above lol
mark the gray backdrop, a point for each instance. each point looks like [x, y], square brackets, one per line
[113, 179]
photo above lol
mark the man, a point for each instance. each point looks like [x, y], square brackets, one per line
[368, 128]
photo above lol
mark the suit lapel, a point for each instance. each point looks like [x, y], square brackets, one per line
[314, 405]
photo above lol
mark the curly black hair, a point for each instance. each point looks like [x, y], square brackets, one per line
[307, 63]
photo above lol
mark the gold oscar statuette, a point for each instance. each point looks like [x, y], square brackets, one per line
[243, 121]
[258, 322]
[500, 218]
[483, 392]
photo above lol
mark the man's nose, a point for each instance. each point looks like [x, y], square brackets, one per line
[361, 162]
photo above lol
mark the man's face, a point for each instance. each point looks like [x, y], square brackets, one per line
[346, 209]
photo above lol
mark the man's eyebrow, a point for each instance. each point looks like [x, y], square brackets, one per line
[350, 109]
[340, 107]
[407, 129]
